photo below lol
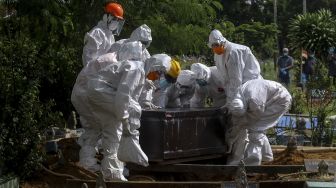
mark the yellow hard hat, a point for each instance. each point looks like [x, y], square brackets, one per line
[175, 69]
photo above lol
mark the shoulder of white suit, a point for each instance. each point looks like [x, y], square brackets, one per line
[131, 65]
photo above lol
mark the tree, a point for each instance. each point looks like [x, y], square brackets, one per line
[317, 32]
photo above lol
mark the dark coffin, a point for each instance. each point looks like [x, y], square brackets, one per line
[180, 133]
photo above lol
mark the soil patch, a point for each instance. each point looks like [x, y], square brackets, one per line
[70, 150]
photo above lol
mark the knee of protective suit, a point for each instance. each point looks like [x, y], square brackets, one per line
[256, 137]
[253, 154]
[253, 160]
[87, 158]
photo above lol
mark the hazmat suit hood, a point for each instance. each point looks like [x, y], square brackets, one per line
[130, 51]
[216, 37]
[143, 34]
[202, 72]
[158, 62]
[186, 78]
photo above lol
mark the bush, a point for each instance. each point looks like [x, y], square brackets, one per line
[23, 116]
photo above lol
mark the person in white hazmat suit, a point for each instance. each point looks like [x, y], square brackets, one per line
[143, 34]
[238, 65]
[154, 93]
[235, 62]
[112, 98]
[179, 94]
[259, 104]
[209, 84]
[99, 39]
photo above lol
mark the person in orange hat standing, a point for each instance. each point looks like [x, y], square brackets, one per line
[98, 40]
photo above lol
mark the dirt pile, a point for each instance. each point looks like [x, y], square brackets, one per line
[288, 157]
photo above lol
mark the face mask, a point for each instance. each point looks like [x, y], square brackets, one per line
[286, 53]
[153, 75]
[219, 50]
[201, 82]
[163, 84]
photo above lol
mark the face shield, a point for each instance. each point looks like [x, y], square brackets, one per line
[114, 24]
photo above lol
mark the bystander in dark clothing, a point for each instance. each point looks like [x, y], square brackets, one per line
[285, 63]
[308, 68]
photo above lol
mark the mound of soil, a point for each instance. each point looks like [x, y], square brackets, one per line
[70, 150]
[296, 157]
[288, 157]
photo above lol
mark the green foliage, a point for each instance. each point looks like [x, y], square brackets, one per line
[316, 32]
[23, 116]
[259, 37]
[313, 31]
[41, 46]
[178, 26]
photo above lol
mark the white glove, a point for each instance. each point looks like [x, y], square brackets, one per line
[224, 109]
[150, 106]
[149, 84]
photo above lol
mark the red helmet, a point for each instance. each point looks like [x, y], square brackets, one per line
[115, 9]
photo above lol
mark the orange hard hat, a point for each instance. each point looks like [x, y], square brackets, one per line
[115, 9]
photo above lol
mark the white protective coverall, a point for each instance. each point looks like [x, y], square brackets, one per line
[143, 34]
[111, 98]
[214, 87]
[259, 104]
[98, 41]
[237, 65]
[179, 94]
[161, 63]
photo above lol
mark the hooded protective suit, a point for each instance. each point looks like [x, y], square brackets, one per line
[110, 100]
[259, 104]
[212, 86]
[179, 94]
[154, 92]
[237, 64]
[98, 41]
[143, 34]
